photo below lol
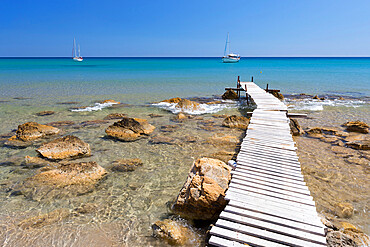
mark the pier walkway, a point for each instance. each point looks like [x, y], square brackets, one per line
[269, 202]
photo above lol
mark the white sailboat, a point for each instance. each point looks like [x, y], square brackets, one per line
[74, 55]
[229, 57]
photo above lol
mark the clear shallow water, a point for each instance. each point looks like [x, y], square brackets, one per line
[128, 203]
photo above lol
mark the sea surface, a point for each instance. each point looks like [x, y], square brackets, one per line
[127, 203]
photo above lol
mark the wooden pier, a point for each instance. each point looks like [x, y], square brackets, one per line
[269, 202]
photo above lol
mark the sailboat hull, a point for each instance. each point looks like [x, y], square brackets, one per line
[230, 60]
[78, 59]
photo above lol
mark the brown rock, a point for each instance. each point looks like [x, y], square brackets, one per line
[329, 139]
[162, 140]
[214, 102]
[129, 129]
[223, 139]
[93, 123]
[329, 130]
[152, 115]
[315, 97]
[347, 236]
[38, 162]
[277, 95]
[126, 165]
[110, 101]
[295, 128]
[61, 123]
[86, 208]
[322, 98]
[45, 219]
[361, 145]
[236, 122]
[357, 126]
[356, 137]
[175, 233]
[203, 194]
[358, 161]
[65, 147]
[314, 132]
[187, 105]
[344, 210]
[342, 151]
[169, 128]
[31, 131]
[230, 94]
[180, 117]
[14, 142]
[173, 100]
[223, 155]
[45, 113]
[114, 116]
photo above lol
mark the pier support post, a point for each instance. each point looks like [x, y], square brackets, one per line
[238, 86]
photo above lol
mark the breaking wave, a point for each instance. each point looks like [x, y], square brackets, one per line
[95, 107]
[318, 105]
[201, 109]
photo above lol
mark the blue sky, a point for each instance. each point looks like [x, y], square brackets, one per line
[185, 28]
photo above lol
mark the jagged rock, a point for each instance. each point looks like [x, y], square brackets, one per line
[65, 147]
[31, 131]
[344, 210]
[361, 145]
[203, 194]
[315, 97]
[230, 94]
[357, 126]
[126, 165]
[45, 113]
[315, 132]
[110, 101]
[329, 130]
[45, 219]
[129, 129]
[236, 122]
[66, 180]
[347, 236]
[173, 100]
[277, 95]
[175, 233]
[295, 128]
[114, 116]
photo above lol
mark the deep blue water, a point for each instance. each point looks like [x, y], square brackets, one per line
[152, 78]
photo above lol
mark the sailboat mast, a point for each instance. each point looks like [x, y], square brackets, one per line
[227, 41]
[74, 47]
[79, 55]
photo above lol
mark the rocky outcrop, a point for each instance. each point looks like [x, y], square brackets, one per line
[230, 94]
[175, 233]
[126, 165]
[129, 129]
[202, 196]
[277, 95]
[65, 147]
[173, 100]
[236, 122]
[346, 235]
[66, 180]
[45, 219]
[295, 128]
[31, 131]
[357, 126]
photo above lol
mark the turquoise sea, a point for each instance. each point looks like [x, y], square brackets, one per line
[121, 208]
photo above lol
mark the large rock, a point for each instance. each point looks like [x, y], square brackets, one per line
[70, 179]
[31, 131]
[236, 122]
[187, 105]
[347, 236]
[203, 194]
[230, 94]
[175, 233]
[295, 128]
[65, 147]
[129, 129]
[357, 126]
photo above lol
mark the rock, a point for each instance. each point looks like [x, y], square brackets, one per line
[45, 219]
[340, 98]
[347, 236]
[114, 116]
[162, 140]
[152, 115]
[219, 116]
[65, 147]
[86, 208]
[34, 162]
[31, 131]
[315, 132]
[356, 137]
[169, 128]
[329, 130]
[93, 123]
[230, 94]
[357, 126]
[322, 98]
[236, 122]
[223, 139]
[223, 155]
[187, 105]
[109, 101]
[214, 102]
[315, 97]
[61, 123]
[361, 145]
[189, 138]
[343, 152]
[175, 233]
[180, 117]
[66, 180]
[126, 165]
[329, 139]
[173, 100]
[358, 161]
[277, 95]
[129, 129]
[202, 196]
[295, 128]
[45, 113]
[14, 142]
[344, 210]
[69, 103]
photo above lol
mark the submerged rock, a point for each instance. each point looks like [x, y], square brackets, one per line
[126, 165]
[14, 142]
[162, 140]
[65, 147]
[61, 123]
[31, 131]
[45, 113]
[109, 101]
[230, 94]
[187, 105]
[114, 116]
[180, 117]
[295, 128]
[344, 210]
[361, 145]
[33, 162]
[129, 129]
[175, 233]
[315, 132]
[236, 122]
[222, 139]
[202, 196]
[357, 126]
[45, 219]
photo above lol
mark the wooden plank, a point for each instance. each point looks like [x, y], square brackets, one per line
[222, 242]
[248, 160]
[279, 229]
[249, 142]
[271, 141]
[253, 163]
[244, 238]
[264, 153]
[270, 159]
[276, 171]
[271, 149]
[230, 222]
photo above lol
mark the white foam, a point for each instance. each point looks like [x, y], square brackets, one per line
[96, 107]
[318, 105]
[201, 109]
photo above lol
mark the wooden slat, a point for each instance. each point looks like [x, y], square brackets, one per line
[222, 242]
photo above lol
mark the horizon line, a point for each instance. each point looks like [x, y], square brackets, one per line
[365, 56]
